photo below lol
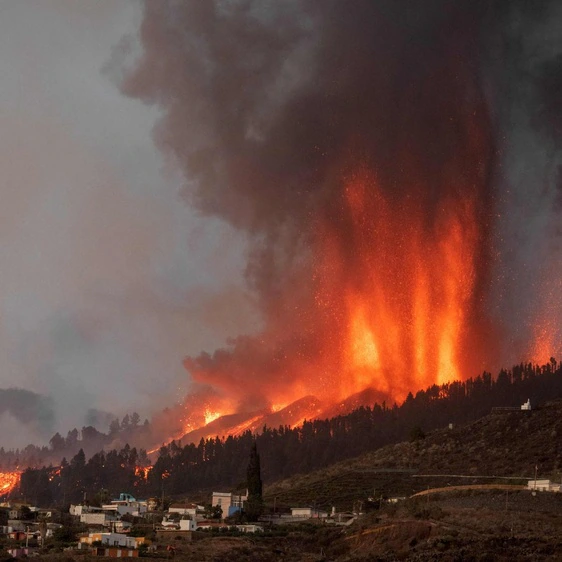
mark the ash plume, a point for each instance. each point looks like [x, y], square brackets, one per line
[356, 143]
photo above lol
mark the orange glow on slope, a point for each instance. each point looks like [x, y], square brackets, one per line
[55, 472]
[143, 471]
[8, 481]
[242, 427]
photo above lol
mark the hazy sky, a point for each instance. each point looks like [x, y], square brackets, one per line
[107, 278]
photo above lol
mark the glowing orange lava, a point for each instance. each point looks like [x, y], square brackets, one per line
[404, 319]
[9, 481]
[143, 471]
[242, 427]
[211, 416]
[55, 472]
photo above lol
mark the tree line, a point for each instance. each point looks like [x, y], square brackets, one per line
[221, 462]
[89, 439]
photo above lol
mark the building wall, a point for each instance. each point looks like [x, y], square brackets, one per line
[116, 552]
[94, 519]
[113, 540]
[224, 500]
[541, 485]
[188, 525]
[301, 512]
[183, 510]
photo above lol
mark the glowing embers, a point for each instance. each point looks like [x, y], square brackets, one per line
[364, 347]
[9, 481]
[211, 416]
[142, 471]
[277, 407]
[54, 473]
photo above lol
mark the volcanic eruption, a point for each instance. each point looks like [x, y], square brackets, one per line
[368, 149]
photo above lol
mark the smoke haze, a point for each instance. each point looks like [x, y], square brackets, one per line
[107, 277]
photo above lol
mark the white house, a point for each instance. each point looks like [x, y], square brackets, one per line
[230, 503]
[527, 405]
[184, 509]
[127, 504]
[111, 539]
[543, 486]
[249, 528]
[307, 513]
[97, 518]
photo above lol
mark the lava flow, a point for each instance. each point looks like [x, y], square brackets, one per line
[9, 481]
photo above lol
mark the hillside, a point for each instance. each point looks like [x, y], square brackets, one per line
[506, 444]
[220, 462]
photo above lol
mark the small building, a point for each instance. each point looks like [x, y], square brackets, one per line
[230, 503]
[543, 486]
[527, 405]
[184, 509]
[112, 540]
[249, 528]
[307, 513]
[127, 504]
[98, 518]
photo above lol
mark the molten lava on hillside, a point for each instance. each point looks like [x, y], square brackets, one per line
[9, 481]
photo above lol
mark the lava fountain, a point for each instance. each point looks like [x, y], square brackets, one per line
[360, 150]
[405, 293]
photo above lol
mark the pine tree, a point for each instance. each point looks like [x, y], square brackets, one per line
[255, 500]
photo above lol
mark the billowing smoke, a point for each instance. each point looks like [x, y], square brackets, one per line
[25, 415]
[396, 167]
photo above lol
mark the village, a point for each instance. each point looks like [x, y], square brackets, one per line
[127, 527]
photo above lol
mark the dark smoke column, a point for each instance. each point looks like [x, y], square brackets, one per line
[354, 143]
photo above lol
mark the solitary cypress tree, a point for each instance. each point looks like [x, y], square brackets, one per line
[255, 501]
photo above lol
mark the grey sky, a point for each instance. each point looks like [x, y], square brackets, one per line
[107, 278]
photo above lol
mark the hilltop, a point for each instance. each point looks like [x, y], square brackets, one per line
[503, 444]
[483, 524]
